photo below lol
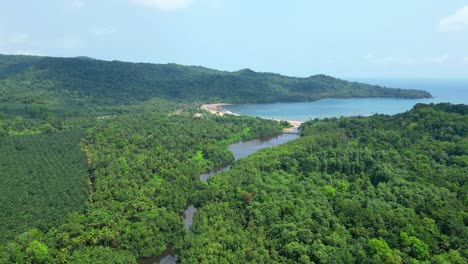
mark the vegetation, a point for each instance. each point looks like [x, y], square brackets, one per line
[84, 81]
[383, 189]
[42, 179]
[98, 161]
[140, 169]
[380, 189]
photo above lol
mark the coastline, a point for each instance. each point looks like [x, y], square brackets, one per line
[218, 109]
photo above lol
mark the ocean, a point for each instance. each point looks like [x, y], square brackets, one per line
[443, 90]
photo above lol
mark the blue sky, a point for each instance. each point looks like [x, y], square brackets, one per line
[360, 38]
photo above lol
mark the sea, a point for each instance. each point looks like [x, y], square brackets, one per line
[453, 91]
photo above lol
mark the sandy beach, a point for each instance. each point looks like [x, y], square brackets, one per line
[218, 109]
[295, 126]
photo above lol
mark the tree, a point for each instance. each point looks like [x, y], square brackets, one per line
[37, 252]
[415, 247]
[382, 253]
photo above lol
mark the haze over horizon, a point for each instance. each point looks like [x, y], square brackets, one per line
[344, 39]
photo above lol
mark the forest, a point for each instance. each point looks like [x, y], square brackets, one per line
[106, 189]
[98, 161]
[85, 81]
[380, 189]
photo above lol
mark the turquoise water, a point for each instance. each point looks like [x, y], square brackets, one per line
[452, 91]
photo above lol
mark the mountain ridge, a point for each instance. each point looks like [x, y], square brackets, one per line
[84, 80]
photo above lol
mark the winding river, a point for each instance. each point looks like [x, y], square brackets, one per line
[239, 150]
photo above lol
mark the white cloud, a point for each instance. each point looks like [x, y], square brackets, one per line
[77, 4]
[455, 22]
[99, 32]
[165, 4]
[440, 59]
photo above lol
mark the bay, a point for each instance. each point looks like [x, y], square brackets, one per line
[443, 90]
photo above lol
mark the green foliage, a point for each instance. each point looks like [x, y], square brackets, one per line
[92, 255]
[382, 253]
[414, 246]
[84, 81]
[381, 189]
[199, 158]
[451, 257]
[141, 170]
[42, 178]
[37, 252]
[330, 192]
[27, 248]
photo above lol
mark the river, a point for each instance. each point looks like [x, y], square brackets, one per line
[239, 150]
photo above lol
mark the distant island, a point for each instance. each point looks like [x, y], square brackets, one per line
[87, 81]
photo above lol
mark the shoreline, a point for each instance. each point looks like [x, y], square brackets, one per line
[218, 109]
[295, 125]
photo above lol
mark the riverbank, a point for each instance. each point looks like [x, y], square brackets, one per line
[239, 150]
[295, 126]
[218, 109]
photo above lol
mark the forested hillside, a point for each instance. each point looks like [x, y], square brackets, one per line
[99, 159]
[85, 81]
[382, 189]
[140, 168]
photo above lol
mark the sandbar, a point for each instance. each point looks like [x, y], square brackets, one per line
[218, 109]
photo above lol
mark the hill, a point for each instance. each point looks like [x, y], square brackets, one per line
[86, 81]
[379, 189]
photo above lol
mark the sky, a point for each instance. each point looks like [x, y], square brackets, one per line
[359, 38]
